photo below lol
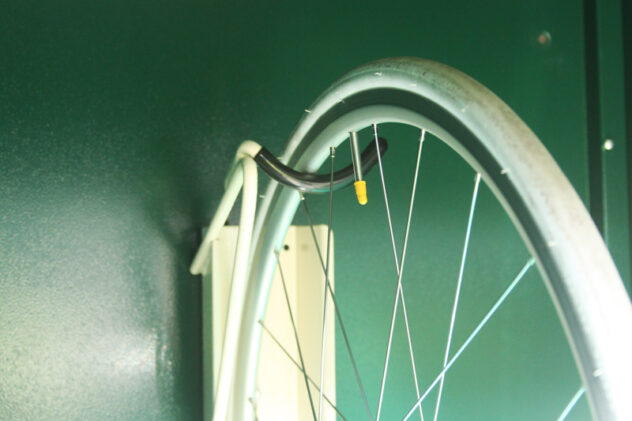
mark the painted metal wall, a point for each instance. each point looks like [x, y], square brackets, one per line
[118, 121]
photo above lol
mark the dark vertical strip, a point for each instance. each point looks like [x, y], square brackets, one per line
[626, 14]
[593, 116]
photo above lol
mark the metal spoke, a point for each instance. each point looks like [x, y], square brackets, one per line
[253, 403]
[388, 209]
[296, 364]
[337, 310]
[332, 152]
[298, 345]
[410, 348]
[571, 404]
[474, 333]
[458, 290]
[400, 271]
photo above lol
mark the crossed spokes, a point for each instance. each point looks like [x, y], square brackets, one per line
[318, 400]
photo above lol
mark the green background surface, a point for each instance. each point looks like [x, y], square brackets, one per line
[118, 121]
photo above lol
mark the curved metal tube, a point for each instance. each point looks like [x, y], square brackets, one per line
[316, 183]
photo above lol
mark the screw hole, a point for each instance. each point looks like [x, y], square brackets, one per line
[544, 38]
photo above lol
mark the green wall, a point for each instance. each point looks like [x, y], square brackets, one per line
[118, 121]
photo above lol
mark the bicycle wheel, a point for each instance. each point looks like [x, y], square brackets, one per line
[579, 274]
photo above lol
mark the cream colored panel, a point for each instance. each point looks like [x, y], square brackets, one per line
[282, 395]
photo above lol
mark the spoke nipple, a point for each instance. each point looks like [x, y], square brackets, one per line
[378, 73]
[551, 243]
[301, 195]
[422, 138]
[504, 171]
[597, 372]
[307, 110]
[276, 253]
[332, 151]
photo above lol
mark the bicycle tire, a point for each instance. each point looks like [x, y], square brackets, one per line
[578, 271]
